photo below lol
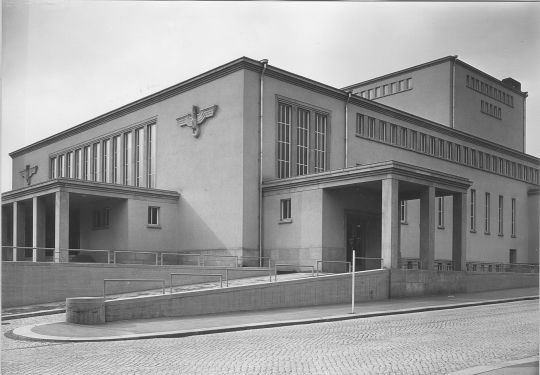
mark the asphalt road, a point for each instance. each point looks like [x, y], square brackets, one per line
[436, 342]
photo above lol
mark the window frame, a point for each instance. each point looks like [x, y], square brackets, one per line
[285, 210]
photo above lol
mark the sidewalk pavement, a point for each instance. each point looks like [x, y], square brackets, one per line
[215, 323]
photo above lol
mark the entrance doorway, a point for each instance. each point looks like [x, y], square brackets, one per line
[356, 239]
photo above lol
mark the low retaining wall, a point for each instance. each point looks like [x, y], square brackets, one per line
[28, 283]
[411, 283]
[331, 289]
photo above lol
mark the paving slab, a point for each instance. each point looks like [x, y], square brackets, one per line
[214, 323]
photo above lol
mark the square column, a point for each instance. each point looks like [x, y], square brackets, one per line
[19, 224]
[390, 223]
[459, 231]
[38, 228]
[427, 227]
[61, 226]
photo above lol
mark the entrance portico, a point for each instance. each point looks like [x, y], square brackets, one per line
[43, 222]
[372, 194]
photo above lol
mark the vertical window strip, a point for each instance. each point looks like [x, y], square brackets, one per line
[440, 212]
[513, 217]
[127, 153]
[69, 165]
[116, 159]
[359, 124]
[53, 167]
[78, 169]
[473, 211]
[501, 213]
[320, 142]
[106, 159]
[61, 166]
[86, 163]
[302, 146]
[487, 214]
[96, 161]
[284, 140]
[382, 130]
[403, 211]
[151, 155]
[139, 157]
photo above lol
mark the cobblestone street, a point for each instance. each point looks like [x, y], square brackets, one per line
[434, 342]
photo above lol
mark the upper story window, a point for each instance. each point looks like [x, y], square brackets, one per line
[285, 210]
[153, 216]
[472, 211]
[299, 142]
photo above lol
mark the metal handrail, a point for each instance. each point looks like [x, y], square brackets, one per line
[90, 250]
[183, 254]
[370, 258]
[196, 274]
[134, 251]
[220, 256]
[246, 269]
[136, 280]
[292, 265]
[333, 261]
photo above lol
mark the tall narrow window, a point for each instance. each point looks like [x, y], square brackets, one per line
[371, 127]
[480, 160]
[393, 134]
[513, 217]
[414, 140]
[62, 166]
[285, 210]
[96, 161]
[423, 142]
[69, 165]
[86, 163]
[450, 151]
[466, 155]
[106, 160]
[403, 137]
[432, 145]
[474, 161]
[382, 131]
[127, 154]
[440, 212]
[501, 213]
[473, 211]
[360, 124]
[320, 142]
[116, 160]
[486, 214]
[53, 167]
[151, 155]
[153, 216]
[78, 163]
[302, 145]
[403, 211]
[284, 140]
[458, 153]
[139, 157]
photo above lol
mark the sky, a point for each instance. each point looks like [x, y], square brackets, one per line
[65, 62]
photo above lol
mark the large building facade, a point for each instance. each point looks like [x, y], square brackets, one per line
[424, 166]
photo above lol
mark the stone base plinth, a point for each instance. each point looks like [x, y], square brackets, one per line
[85, 310]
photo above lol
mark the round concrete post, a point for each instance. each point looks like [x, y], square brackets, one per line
[85, 310]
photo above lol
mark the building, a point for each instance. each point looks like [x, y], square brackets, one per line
[423, 167]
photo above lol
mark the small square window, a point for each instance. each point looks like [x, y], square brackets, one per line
[285, 210]
[153, 216]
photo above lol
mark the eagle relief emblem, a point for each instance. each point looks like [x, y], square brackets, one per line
[28, 172]
[196, 118]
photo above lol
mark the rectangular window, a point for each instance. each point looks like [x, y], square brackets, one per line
[441, 148]
[371, 127]
[151, 156]
[408, 83]
[403, 137]
[414, 140]
[360, 124]
[62, 166]
[385, 89]
[69, 165]
[400, 85]
[78, 168]
[450, 151]
[513, 169]
[474, 161]
[458, 153]
[440, 212]
[423, 142]
[127, 153]
[432, 145]
[480, 160]
[153, 216]
[284, 126]
[513, 256]
[487, 224]
[393, 134]
[403, 211]
[86, 163]
[100, 218]
[472, 214]
[501, 166]
[320, 142]
[393, 88]
[96, 161]
[53, 167]
[382, 130]
[466, 155]
[106, 160]
[493, 163]
[302, 143]
[501, 218]
[116, 147]
[139, 157]
[377, 91]
[285, 210]
[513, 217]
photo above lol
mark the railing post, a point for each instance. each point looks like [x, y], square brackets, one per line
[161, 258]
[352, 286]
[114, 257]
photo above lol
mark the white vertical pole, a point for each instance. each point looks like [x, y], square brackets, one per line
[352, 288]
